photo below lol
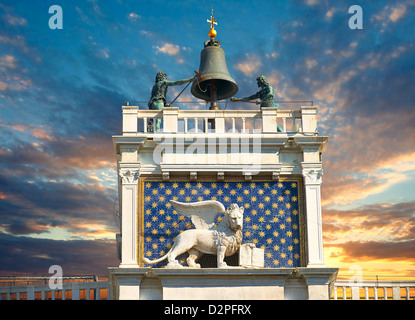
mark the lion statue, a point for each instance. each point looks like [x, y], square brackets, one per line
[223, 240]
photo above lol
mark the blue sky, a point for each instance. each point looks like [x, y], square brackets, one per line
[61, 93]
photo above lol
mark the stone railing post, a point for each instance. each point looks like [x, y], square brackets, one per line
[129, 120]
[309, 118]
[170, 119]
[269, 119]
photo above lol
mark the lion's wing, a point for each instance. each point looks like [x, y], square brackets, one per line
[202, 213]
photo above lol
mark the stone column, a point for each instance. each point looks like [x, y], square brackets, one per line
[129, 198]
[312, 173]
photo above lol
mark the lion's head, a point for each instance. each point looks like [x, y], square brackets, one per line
[235, 216]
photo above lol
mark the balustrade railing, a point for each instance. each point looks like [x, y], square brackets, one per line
[266, 120]
[99, 290]
[373, 290]
[96, 290]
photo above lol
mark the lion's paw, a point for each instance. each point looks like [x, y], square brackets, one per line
[174, 265]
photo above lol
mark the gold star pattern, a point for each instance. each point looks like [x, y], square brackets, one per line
[271, 215]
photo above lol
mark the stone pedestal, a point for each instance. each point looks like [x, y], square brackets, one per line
[221, 284]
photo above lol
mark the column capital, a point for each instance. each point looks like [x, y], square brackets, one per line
[312, 172]
[129, 175]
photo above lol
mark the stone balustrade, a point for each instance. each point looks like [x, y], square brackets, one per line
[266, 120]
[373, 290]
[96, 290]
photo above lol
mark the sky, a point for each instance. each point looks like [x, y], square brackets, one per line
[61, 92]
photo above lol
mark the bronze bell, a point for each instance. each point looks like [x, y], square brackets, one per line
[214, 82]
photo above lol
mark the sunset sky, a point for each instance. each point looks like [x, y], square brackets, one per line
[61, 93]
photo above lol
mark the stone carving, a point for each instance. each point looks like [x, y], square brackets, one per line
[313, 176]
[223, 240]
[129, 176]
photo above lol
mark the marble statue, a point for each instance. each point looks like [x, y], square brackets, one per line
[223, 240]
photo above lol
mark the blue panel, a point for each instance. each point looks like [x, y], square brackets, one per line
[271, 217]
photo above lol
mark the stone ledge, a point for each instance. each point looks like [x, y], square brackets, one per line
[221, 284]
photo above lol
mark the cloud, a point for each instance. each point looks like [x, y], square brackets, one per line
[133, 16]
[375, 236]
[378, 250]
[168, 48]
[7, 62]
[397, 13]
[31, 256]
[250, 65]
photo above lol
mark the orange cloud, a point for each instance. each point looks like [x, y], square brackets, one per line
[250, 65]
